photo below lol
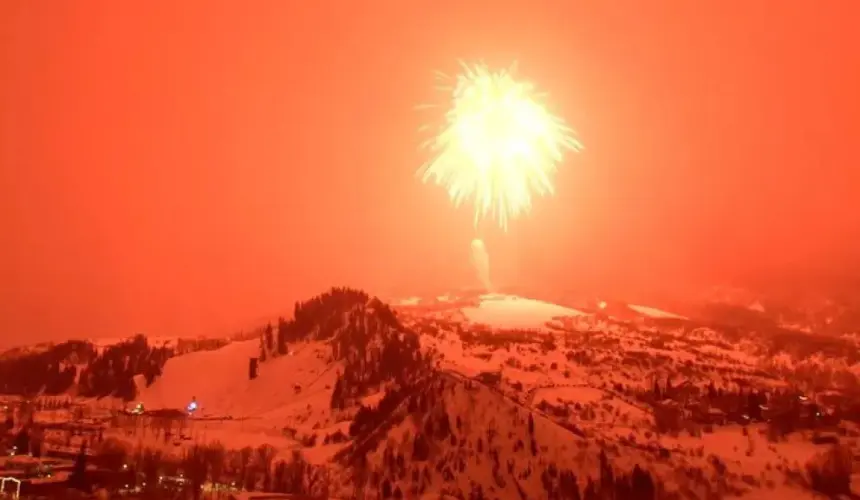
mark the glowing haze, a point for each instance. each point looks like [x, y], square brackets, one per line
[499, 145]
[193, 167]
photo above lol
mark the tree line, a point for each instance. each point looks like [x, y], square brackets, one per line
[79, 365]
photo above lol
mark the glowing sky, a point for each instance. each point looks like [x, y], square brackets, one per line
[184, 168]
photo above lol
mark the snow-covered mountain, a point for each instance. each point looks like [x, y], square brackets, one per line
[485, 394]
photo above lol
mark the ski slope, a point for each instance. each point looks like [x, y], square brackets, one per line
[219, 380]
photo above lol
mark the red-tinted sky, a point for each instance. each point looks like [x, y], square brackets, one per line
[185, 167]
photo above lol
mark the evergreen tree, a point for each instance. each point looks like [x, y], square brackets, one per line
[269, 338]
[607, 476]
[283, 327]
[262, 350]
[22, 441]
[36, 448]
[642, 484]
[590, 492]
[78, 479]
[337, 396]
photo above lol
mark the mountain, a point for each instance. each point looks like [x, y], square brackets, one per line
[493, 395]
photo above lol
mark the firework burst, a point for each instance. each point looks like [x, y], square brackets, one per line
[499, 146]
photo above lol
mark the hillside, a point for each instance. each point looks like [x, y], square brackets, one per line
[482, 395]
[86, 368]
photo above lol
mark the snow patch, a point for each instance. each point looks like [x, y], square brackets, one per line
[511, 311]
[654, 313]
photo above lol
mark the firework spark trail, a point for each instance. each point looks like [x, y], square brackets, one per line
[481, 262]
[499, 146]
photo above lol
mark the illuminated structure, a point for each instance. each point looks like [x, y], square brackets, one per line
[138, 409]
[16, 482]
[192, 406]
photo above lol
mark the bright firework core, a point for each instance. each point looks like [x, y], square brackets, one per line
[499, 145]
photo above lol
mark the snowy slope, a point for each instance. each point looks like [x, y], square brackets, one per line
[510, 311]
[652, 312]
[506, 311]
[219, 380]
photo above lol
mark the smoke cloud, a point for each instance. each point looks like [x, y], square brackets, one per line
[481, 261]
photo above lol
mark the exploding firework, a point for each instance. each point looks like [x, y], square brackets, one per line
[499, 146]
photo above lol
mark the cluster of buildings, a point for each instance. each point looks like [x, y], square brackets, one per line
[687, 405]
